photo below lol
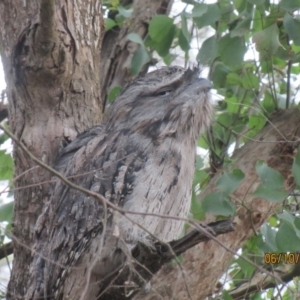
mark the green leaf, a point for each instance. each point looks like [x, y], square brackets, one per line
[256, 2]
[268, 244]
[226, 295]
[169, 58]
[233, 105]
[229, 182]
[209, 17]
[113, 93]
[255, 124]
[287, 217]
[242, 28]
[271, 187]
[219, 74]
[247, 268]
[268, 103]
[200, 176]
[218, 203]
[109, 23]
[199, 10]
[120, 19]
[296, 168]
[232, 50]
[297, 223]
[127, 13]
[275, 17]
[184, 28]
[273, 221]
[6, 211]
[114, 3]
[6, 166]
[3, 138]
[183, 42]
[202, 142]
[208, 51]
[199, 162]
[269, 177]
[250, 81]
[271, 195]
[287, 239]
[139, 59]
[225, 119]
[292, 27]
[159, 27]
[240, 5]
[267, 41]
[289, 5]
[288, 294]
[233, 79]
[196, 208]
[162, 32]
[226, 8]
[184, 35]
[134, 37]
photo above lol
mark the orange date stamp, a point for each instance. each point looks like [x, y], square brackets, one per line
[286, 258]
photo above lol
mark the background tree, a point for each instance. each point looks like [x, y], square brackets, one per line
[59, 80]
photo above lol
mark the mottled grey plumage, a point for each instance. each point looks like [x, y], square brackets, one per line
[141, 159]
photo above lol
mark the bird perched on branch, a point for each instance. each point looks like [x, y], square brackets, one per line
[141, 160]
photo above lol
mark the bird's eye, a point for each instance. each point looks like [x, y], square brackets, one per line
[163, 93]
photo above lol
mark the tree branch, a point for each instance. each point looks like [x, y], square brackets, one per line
[147, 261]
[3, 112]
[260, 281]
[6, 249]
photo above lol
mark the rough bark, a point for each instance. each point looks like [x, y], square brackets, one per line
[204, 264]
[51, 58]
[117, 50]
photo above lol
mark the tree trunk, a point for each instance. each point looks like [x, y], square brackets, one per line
[51, 58]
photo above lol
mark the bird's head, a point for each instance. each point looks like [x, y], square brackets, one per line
[169, 101]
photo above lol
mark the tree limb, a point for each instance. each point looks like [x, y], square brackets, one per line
[6, 249]
[3, 112]
[260, 281]
[147, 261]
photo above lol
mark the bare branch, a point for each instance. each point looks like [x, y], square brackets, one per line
[3, 107]
[6, 249]
[147, 261]
[261, 281]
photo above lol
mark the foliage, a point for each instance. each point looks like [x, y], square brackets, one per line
[252, 51]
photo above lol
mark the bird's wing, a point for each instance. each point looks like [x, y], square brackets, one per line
[99, 162]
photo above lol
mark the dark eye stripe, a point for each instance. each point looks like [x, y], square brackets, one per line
[163, 93]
